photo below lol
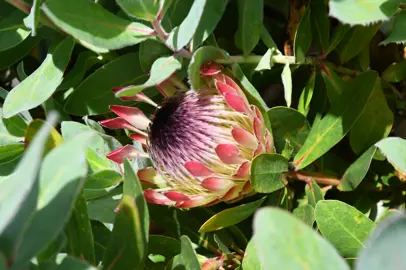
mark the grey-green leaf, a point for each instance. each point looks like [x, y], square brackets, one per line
[181, 35]
[60, 182]
[15, 188]
[161, 70]
[394, 150]
[41, 84]
[385, 247]
[94, 26]
[282, 241]
[141, 9]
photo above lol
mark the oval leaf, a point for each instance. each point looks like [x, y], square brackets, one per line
[394, 150]
[266, 172]
[363, 12]
[288, 243]
[385, 248]
[94, 26]
[343, 225]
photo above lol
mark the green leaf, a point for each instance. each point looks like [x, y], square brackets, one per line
[34, 90]
[212, 13]
[394, 150]
[15, 125]
[10, 152]
[268, 40]
[132, 187]
[334, 84]
[70, 263]
[288, 126]
[338, 121]
[104, 208]
[94, 95]
[314, 193]
[5, 135]
[343, 225]
[395, 72]
[15, 54]
[187, 259]
[320, 24]
[150, 51]
[303, 37]
[100, 183]
[339, 33]
[200, 56]
[356, 40]
[365, 132]
[385, 247]
[16, 188]
[126, 248]
[140, 9]
[363, 12]
[306, 96]
[180, 36]
[101, 237]
[94, 26]
[163, 246]
[60, 182]
[32, 20]
[266, 172]
[231, 216]
[12, 30]
[288, 243]
[250, 17]
[305, 213]
[79, 232]
[287, 84]
[161, 70]
[398, 34]
[85, 61]
[251, 259]
[356, 172]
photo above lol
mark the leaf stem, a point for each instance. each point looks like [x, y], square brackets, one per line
[255, 59]
[318, 177]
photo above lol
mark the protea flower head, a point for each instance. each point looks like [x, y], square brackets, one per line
[201, 142]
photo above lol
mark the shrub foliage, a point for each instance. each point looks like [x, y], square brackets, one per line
[327, 75]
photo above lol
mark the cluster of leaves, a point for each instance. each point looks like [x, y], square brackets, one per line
[329, 77]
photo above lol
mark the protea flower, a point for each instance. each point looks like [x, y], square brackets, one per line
[201, 142]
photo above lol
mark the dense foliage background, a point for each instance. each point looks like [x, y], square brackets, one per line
[329, 77]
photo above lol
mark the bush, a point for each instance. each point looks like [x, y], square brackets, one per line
[319, 180]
